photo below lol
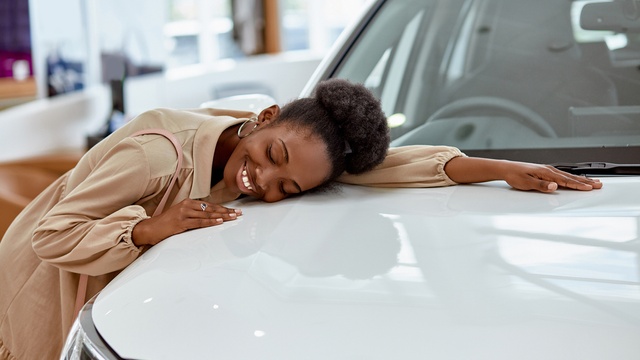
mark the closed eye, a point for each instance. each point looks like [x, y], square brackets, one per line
[282, 190]
[269, 154]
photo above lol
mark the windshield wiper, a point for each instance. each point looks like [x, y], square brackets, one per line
[599, 168]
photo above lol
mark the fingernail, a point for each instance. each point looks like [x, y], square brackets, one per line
[232, 215]
[238, 211]
[218, 220]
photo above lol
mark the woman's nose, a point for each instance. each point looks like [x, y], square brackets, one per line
[264, 176]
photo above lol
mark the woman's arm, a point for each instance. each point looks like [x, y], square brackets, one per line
[433, 166]
[97, 227]
[415, 166]
[100, 227]
[521, 176]
[89, 229]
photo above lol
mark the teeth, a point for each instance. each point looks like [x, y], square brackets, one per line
[245, 179]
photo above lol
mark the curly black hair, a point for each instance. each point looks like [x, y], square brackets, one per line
[349, 120]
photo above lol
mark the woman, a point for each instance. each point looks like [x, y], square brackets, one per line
[95, 219]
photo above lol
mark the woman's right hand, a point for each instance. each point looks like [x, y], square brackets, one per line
[186, 215]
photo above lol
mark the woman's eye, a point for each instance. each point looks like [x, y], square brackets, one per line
[282, 190]
[269, 155]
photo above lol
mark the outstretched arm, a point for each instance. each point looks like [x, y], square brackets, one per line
[521, 176]
[431, 166]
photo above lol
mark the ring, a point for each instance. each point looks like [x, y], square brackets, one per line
[203, 206]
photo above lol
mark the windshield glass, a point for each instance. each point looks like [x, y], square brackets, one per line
[494, 76]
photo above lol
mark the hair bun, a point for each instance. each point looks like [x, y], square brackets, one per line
[358, 114]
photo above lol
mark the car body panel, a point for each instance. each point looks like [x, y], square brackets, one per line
[471, 271]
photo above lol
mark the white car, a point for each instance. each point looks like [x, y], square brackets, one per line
[465, 272]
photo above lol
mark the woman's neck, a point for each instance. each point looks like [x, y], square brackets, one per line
[227, 142]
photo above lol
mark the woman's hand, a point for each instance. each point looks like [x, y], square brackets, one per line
[545, 178]
[520, 175]
[186, 215]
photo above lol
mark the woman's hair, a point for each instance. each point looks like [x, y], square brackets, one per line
[348, 118]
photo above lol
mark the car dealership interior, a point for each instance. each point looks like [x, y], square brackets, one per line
[320, 179]
[71, 67]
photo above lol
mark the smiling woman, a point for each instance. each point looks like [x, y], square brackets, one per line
[309, 143]
[277, 162]
[94, 220]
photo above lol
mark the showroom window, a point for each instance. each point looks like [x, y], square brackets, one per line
[198, 31]
[202, 31]
[313, 24]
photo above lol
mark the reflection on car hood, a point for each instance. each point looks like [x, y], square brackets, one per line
[464, 272]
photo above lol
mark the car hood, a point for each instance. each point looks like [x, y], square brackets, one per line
[472, 271]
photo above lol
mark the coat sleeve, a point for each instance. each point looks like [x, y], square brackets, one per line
[89, 230]
[408, 166]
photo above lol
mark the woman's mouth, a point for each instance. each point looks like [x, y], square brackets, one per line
[245, 179]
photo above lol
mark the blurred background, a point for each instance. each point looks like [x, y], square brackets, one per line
[169, 53]
[73, 70]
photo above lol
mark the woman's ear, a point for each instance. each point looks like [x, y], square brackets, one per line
[269, 114]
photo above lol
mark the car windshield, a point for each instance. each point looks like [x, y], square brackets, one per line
[542, 81]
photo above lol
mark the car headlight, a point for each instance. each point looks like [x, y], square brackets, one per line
[84, 342]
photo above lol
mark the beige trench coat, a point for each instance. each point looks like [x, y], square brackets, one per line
[82, 223]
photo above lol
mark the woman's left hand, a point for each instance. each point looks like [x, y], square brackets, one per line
[520, 175]
[545, 178]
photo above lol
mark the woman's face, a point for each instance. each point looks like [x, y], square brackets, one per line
[276, 161]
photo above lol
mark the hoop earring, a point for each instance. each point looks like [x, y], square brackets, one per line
[255, 125]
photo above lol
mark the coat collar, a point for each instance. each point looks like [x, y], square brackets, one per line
[204, 145]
